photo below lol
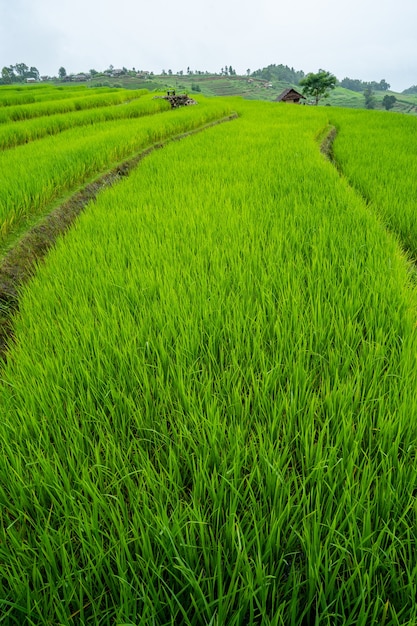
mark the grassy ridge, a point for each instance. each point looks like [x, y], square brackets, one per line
[206, 414]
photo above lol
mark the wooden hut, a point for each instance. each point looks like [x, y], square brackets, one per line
[290, 95]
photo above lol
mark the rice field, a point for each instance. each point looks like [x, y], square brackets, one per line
[385, 172]
[59, 155]
[16, 133]
[74, 101]
[207, 409]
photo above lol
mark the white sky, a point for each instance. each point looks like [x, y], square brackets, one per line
[366, 39]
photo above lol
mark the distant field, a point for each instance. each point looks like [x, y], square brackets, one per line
[208, 407]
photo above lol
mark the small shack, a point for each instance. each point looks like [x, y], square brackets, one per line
[290, 95]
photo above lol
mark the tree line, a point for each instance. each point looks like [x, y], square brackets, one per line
[18, 73]
[281, 73]
[354, 84]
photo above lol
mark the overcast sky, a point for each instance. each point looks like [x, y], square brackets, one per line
[366, 39]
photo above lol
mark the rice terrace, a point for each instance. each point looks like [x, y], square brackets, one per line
[208, 407]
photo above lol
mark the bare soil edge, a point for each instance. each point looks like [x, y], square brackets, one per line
[21, 261]
[326, 144]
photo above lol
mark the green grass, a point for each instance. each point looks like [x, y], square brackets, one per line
[341, 97]
[208, 410]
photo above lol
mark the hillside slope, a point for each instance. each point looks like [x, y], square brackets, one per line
[256, 89]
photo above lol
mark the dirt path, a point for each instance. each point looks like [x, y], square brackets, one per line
[326, 144]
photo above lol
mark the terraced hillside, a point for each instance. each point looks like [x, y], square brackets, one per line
[208, 403]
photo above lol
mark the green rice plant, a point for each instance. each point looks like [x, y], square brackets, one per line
[207, 409]
[27, 94]
[377, 152]
[17, 133]
[34, 175]
[79, 102]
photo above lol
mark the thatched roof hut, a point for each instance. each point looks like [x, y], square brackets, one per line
[290, 95]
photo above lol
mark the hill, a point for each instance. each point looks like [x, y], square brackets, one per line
[252, 88]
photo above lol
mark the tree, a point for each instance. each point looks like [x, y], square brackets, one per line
[370, 100]
[6, 75]
[359, 85]
[318, 85]
[388, 101]
[62, 72]
[383, 85]
[281, 73]
[33, 73]
[21, 69]
[354, 84]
